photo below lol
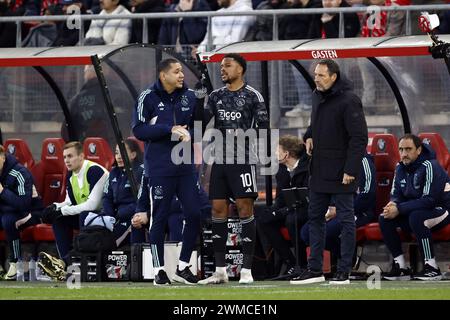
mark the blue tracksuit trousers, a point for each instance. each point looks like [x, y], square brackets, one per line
[162, 191]
[413, 223]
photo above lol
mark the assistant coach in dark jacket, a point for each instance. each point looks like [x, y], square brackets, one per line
[336, 139]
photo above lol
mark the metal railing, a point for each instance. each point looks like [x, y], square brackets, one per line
[210, 14]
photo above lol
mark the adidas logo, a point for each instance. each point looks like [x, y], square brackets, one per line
[219, 102]
[247, 239]
[403, 181]
[216, 236]
[249, 190]
[114, 180]
[161, 104]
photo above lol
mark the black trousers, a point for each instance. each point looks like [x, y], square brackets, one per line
[269, 226]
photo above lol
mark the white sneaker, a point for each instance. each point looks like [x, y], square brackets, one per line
[298, 111]
[12, 272]
[246, 276]
[216, 278]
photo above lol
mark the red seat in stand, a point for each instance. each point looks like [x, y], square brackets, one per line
[386, 157]
[50, 172]
[19, 148]
[438, 145]
[43, 233]
[98, 150]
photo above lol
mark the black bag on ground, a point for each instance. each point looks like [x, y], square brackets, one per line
[94, 238]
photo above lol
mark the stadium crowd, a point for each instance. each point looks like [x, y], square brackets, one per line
[188, 35]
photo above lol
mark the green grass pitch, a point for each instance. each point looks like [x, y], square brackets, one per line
[260, 290]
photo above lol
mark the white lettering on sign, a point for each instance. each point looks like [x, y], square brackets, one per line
[324, 54]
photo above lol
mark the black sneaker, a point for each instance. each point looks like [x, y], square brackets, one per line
[161, 279]
[429, 273]
[185, 276]
[340, 278]
[308, 276]
[289, 274]
[397, 273]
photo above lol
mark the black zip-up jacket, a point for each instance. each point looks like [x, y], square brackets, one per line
[339, 132]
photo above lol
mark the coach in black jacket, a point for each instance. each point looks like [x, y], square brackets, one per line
[337, 139]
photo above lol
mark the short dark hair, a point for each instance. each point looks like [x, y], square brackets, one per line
[239, 59]
[164, 65]
[74, 144]
[292, 144]
[133, 145]
[2, 149]
[332, 65]
[415, 139]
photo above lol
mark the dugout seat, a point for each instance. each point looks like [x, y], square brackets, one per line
[50, 172]
[19, 148]
[386, 157]
[98, 150]
[26, 235]
[438, 145]
[442, 234]
[373, 233]
[43, 233]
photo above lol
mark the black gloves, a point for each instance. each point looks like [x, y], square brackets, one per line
[50, 214]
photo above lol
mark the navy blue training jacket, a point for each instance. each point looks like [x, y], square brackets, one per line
[364, 199]
[156, 112]
[420, 185]
[17, 185]
[118, 198]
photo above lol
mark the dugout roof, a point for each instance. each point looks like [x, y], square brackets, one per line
[402, 87]
[76, 92]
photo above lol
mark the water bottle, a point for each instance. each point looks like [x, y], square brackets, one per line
[20, 274]
[40, 276]
[32, 270]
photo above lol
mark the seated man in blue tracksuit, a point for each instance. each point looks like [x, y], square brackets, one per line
[16, 190]
[364, 205]
[118, 198]
[420, 201]
[163, 116]
[84, 191]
